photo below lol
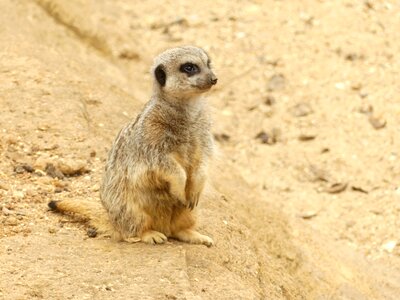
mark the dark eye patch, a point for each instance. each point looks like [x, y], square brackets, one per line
[189, 68]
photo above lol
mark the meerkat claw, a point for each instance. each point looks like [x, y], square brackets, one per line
[132, 240]
[207, 241]
[153, 237]
[193, 237]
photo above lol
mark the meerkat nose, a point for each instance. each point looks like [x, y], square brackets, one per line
[214, 81]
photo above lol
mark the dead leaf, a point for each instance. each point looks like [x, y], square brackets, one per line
[222, 137]
[336, 188]
[318, 174]
[304, 137]
[308, 214]
[359, 189]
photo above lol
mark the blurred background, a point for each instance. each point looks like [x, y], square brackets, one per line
[307, 106]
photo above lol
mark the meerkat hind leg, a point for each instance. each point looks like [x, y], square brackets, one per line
[193, 237]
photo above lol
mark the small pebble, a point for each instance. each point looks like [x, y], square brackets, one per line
[52, 147]
[340, 86]
[39, 173]
[366, 109]
[318, 174]
[72, 167]
[28, 168]
[353, 56]
[377, 122]
[276, 82]
[18, 194]
[389, 246]
[270, 100]
[301, 110]
[22, 168]
[52, 230]
[11, 221]
[91, 232]
[7, 211]
[95, 188]
[52, 171]
[19, 170]
[42, 161]
[3, 186]
[356, 86]
[273, 137]
[263, 137]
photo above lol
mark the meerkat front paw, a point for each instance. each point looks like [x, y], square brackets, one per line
[193, 200]
[205, 240]
[153, 237]
[193, 237]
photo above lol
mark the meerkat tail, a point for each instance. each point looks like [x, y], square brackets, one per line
[89, 210]
[85, 209]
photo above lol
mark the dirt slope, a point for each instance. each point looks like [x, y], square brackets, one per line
[73, 72]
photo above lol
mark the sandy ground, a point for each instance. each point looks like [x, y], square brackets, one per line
[304, 199]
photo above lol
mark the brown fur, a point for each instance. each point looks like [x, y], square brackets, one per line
[157, 167]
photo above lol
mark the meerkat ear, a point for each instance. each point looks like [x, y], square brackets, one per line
[160, 75]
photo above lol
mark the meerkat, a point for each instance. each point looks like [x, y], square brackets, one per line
[157, 166]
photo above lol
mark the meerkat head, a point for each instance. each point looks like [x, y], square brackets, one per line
[183, 72]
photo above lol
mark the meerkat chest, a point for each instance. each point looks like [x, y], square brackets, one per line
[190, 155]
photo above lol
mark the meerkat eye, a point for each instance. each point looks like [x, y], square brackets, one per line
[209, 63]
[189, 69]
